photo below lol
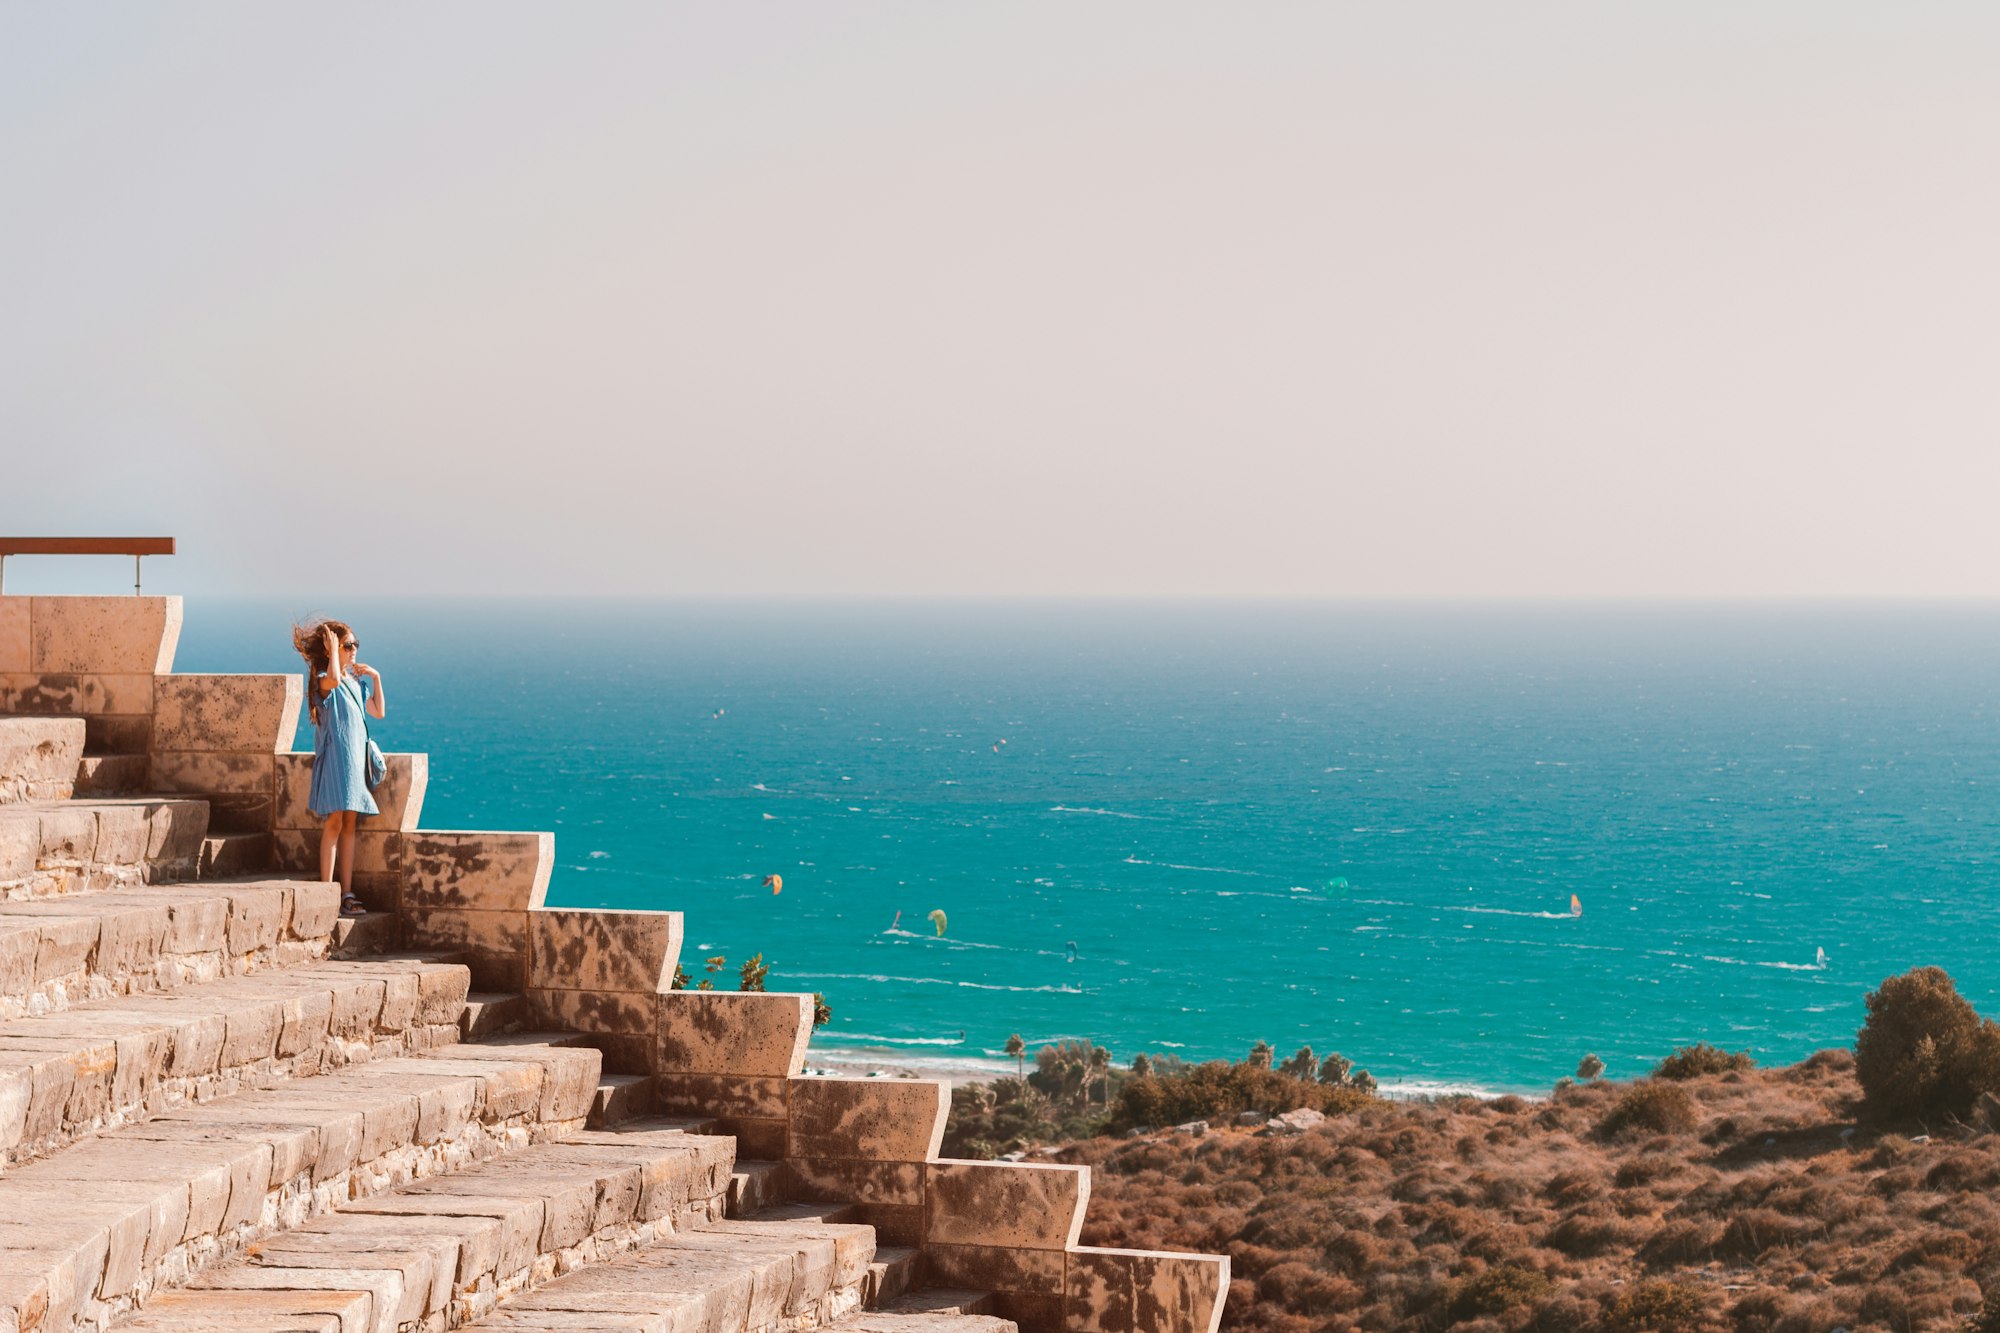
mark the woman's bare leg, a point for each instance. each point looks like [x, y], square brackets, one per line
[349, 820]
[329, 837]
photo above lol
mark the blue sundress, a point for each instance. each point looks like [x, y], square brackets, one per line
[340, 759]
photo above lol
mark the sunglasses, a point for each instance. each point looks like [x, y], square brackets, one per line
[351, 645]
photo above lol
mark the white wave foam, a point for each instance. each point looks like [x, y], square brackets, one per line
[883, 978]
[1090, 810]
[1212, 870]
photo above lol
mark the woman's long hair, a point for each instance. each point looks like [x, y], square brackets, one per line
[309, 638]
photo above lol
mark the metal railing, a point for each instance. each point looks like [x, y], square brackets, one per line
[136, 547]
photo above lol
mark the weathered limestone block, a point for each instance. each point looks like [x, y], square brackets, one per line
[898, 1184]
[135, 635]
[225, 712]
[1028, 1284]
[175, 830]
[496, 941]
[476, 871]
[748, 1107]
[732, 1032]
[256, 1312]
[296, 851]
[205, 771]
[1137, 1291]
[20, 843]
[119, 734]
[400, 797]
[875, 1119]
[583, 949]
[71, 693]
[16, 638]
[39, 758]
[1015, 1205]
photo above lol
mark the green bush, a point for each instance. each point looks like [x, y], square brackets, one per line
[1496, 1291]
[1701, 1060]
[1218, 1090]
[1655, 1108]
[1924, 1051]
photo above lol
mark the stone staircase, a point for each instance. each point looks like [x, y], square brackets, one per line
[225, 1107]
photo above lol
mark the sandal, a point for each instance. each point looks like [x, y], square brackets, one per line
[352, 906]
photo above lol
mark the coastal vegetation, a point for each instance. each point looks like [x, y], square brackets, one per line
[1856, 1189]
[1076, 1092]
[751, 976]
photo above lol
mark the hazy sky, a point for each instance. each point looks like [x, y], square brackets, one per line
[1521, 299]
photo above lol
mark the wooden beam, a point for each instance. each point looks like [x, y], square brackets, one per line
[86, 546]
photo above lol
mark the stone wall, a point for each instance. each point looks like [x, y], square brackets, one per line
[1007, 1227]
[90, 657]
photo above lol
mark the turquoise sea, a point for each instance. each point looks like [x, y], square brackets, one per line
[1351, 826]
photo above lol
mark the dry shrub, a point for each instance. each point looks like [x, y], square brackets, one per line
[1751, 1232]
[1887, 1305]
[1963, 1171]
[1495, 1291]
[1500, 1191]
[1938, 1251]
[1702, 1060]
[1301, 1288]
[1583, 1234]
[1567, 1314]
[1645, 1169]
[1569, 1188]
[1987, 1320]
[1759, 1312]
[1353, 1252]
[1652, 1108]
[1924, 1051]
[1657, 1307]
[1680, 1244]
[1898, 1180]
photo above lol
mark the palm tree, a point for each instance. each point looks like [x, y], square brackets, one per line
[1019, 1050]
[1260, 1055]
[1100, 1068]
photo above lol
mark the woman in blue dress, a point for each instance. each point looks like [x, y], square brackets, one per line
[338, 691]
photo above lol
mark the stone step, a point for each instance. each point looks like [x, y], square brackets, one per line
[366, 935]
[943, 1300]
[491, 1013]
[111, 774]
[437, 1252]
[104, 1063]
[225, 854]
[93, 1231]
[49, 848]
[621, 1097]
[732, 1277]
[807, 1212]
[893, 1275]
[38, 758]
[57, 951]
[882, 1321]
[756, 1186]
